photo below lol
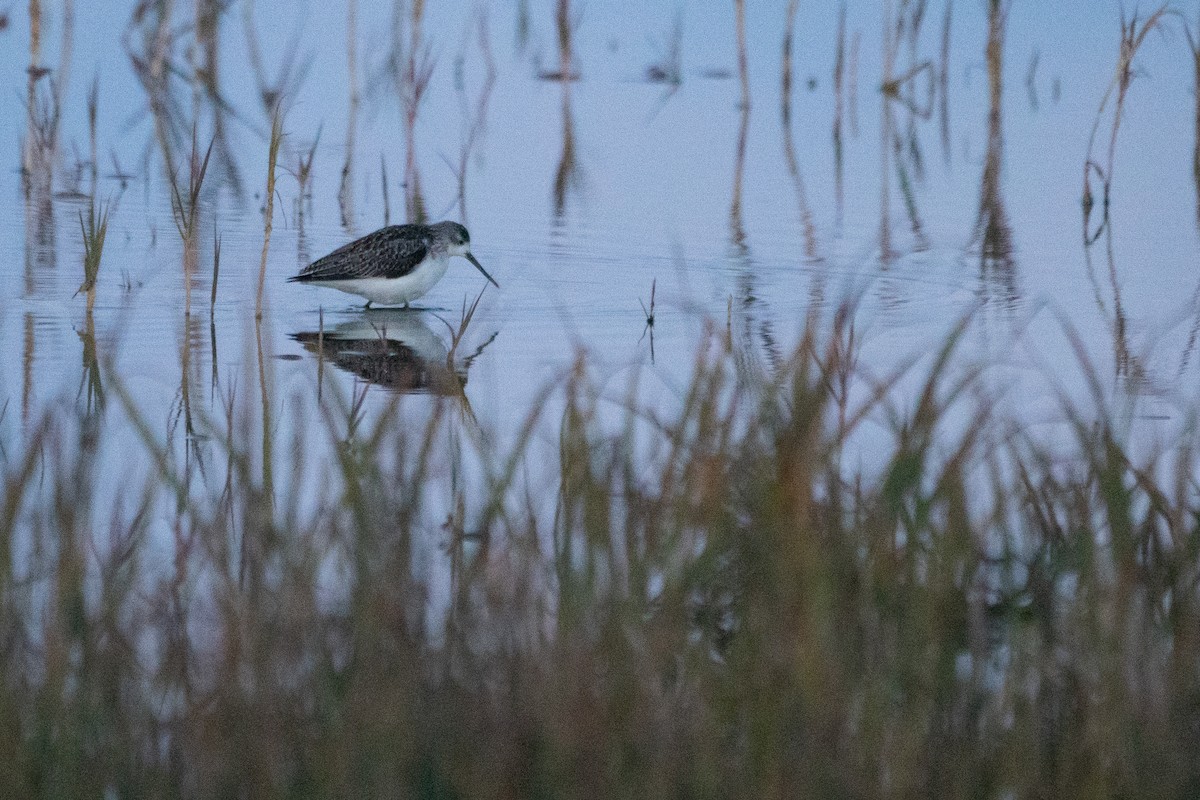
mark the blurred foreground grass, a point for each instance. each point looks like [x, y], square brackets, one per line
[716, 605]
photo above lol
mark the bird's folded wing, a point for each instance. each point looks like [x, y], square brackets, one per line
[386, 253]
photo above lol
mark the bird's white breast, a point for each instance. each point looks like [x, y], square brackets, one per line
[394, 291]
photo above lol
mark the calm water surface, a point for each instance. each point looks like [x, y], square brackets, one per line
[581, 196]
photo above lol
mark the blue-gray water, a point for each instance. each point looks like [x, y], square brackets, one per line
[581, 196]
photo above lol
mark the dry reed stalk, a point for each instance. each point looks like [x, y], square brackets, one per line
[185, 210]
[267, 452]
[346, 186]
[352, 53]
[35, 32]
[736, 226]
[94, 232]
[1035, 59]
[417, 73]
[158, 82]
[944, 81]
[1132, 38]
[212, 300]
[523, 25]
[668, 68]
[383, 184]
[885, 137]
[739, 9]
[993, 232]
[62, 75]
[567, 173]
[855, 42]
[1194, 45]
[562, 25]
[902, 87]
[93, 109]
[789, 149]
[292, 70]
[839, 114]
[785, 67]
[28, 355]
[839, 73]
[320, 352]
[208, 79]
[478, 121]
[272, 157]
[35, 53]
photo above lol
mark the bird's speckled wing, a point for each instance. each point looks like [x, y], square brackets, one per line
[390, 252]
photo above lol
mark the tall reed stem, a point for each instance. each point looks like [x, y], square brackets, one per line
[272, 157]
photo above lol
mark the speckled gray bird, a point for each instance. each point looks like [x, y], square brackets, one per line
[394, 265]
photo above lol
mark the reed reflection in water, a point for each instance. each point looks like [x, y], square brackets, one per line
[993, 233]
[321, 594]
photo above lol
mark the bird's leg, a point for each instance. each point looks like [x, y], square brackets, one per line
[406, 304]
[368, 305]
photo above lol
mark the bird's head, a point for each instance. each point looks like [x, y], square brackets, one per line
[458, 243]
[457, 239]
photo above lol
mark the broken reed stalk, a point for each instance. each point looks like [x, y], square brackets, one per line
[272, 158]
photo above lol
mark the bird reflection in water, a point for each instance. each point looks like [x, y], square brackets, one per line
[396, 349]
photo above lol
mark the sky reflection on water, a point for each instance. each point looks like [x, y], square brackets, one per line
[579, 195]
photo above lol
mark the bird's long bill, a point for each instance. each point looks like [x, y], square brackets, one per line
[479, 267]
